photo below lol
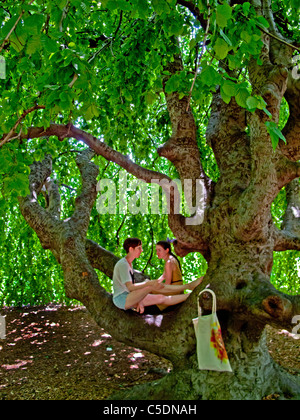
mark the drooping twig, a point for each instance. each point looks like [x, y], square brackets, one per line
[13, 28]
[200, 58]
[8, 137]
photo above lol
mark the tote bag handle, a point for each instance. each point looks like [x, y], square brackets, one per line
[214, 306]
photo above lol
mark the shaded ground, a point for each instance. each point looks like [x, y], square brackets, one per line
[55, 352]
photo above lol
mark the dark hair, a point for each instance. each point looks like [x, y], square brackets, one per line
[131, 242]
[167, 245]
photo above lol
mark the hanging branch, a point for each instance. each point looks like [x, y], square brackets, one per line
[13, 28]
[200, 57]
[152, 242]
[8, 137]
[119, 230]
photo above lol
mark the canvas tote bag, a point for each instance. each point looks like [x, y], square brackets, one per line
[211, 352]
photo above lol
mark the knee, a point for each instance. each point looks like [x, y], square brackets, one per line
[161, 299]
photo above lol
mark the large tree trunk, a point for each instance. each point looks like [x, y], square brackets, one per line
[255, 376]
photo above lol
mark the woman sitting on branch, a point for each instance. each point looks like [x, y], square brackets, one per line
[172, 273]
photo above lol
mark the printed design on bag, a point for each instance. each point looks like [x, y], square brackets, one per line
[216, 341]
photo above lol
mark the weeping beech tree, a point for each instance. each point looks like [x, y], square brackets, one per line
[95, 72]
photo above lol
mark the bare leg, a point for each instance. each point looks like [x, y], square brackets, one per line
[161, 300]
[135, 297]
[170, 289]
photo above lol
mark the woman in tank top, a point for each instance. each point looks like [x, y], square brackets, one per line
[172, 273]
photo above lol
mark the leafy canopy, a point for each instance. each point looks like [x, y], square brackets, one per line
[101, 66]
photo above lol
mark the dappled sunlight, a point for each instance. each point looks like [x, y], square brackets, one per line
[70, 357]
[19, 364]
[55, 350]
[154, 320]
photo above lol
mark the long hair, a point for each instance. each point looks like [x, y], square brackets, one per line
[167, 245]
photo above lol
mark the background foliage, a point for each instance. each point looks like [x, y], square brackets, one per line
[100, 65]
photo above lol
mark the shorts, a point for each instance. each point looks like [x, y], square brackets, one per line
[120, 300]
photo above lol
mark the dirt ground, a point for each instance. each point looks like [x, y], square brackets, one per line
[59, 353]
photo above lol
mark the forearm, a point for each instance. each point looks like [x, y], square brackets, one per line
[138, 286]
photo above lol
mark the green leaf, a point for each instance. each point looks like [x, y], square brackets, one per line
[224, 13]
[33, 45]
[62, 4]
[245, 36]
[246, 8]
[160, 6]
[226, 98]
[275, 133]
[210, 77]
[262, 22]
[53, 97]
[252, 103]
[225, 37]
[221, 48]
[18, 41]
[18, 183]
[66, 99]
[230, 88]
[295, 4]
[33, 24]
[173, 84]
[267, 112]
[241, 97]
[261, 103]
[142, 9]
[234, 62]
[91, 112]
[49, 44]
[150, 97]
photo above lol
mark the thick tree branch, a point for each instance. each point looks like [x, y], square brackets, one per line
[181, 149]
[39, 219]
[269, 80]
[53, 198]
[189, 238]
[281, 53]
[284, 240]
[291, 220]
[85, 202]
[226, 131]
[289, 235]
[99, 147]
[291, 131]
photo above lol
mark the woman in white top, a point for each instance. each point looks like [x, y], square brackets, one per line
[129, 295]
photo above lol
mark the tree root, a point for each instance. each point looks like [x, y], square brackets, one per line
[255, 376]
